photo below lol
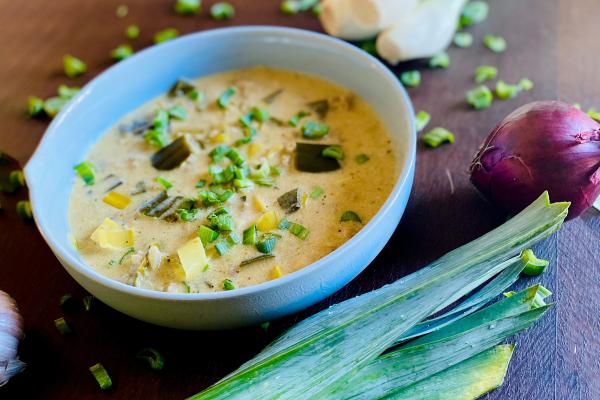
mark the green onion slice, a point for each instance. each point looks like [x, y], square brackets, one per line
[101, 376]
[164, 182]
[437, 136]
[317, 192]
[228, 284]
[314, 130]
[422, 118]
[225, 98]
[165, 35]
[295, 120]
[207, 235]
[63, 327]
[463, 39]
[298, 230]
[266, 242]
[485, 73]
[73, 66]
[178, 112]
[35, 106]
[333, 152]
[132, 32]
[222, 10]
[188, 7]
[480, 98]
[505, 91]
[411, 78]
[440, 60]
[249, 235]
[350, 216]
[85, 170]
[473, 13]
[153, 357]
[497, 44]
[121, 52]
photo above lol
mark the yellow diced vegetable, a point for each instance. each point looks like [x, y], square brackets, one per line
[267, 222]
[117, 200]
[304, 199]
[110, 235]
[259, 204]
[254, 149]
[211, 252]
[276, 272]
[192, 258]
[220, 138]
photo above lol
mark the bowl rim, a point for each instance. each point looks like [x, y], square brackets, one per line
[302, 34]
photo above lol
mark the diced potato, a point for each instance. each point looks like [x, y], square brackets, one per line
[192, 258]
[259, 204]
[117, 200]
[220, 138]
[267, 222]
[254, 149]
[110, 235]
[276, 272]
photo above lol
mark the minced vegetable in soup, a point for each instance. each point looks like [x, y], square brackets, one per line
[229, 181]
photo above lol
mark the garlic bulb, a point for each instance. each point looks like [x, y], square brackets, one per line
[11, 333]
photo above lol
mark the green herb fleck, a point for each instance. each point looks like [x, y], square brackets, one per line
[228, 284]
[154, 359]
[224, 99]
[35, 106]
[317, 192]
[463, 39]
[350, 216]
[411, 78]
[473, 13]
[333, 152]
[480, 98]
[121, 52]
[178, 112]
[437, 136]
[165, 35]
[132, 32]
[485, 73]
[85, 170]
[188, 7]
[505, 91]
[526, 84]
[497, 44]
[422, 118]
[314, 130]
[222, 10]
[101, 376]
[362, 158]
[440, 60]
[73, 66]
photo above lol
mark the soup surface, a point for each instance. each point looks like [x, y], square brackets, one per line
[229, 181]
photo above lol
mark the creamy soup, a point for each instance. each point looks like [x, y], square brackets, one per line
[229, 181]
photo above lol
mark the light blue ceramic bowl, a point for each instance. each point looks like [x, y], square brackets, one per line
[150, 73]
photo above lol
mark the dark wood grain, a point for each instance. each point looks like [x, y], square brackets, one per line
[553, 42]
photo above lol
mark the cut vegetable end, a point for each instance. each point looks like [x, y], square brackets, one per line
[101, 376]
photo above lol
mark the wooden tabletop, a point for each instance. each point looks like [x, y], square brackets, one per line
[553, 42]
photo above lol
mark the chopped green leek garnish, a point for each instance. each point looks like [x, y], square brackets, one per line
[101, 376]
[298, 230]
[66, 301]
[473, 13]
[16, 179]
[121, 52]
[463, 39]
[350, 216]
[35, 106]
[253, 260]
[235, 157]
[266, 242]
[479, 98]
[290, 201]
[526, 84]
[164, 182]
[219, 153]
[73, 66]
[165, 35]
[207, 235]
[485, 73]
[221, 220]
[333, 152]
[222, 10]
[497, 44]
[154, 359]
[228, 284]
[362, 158]
[129, 252]
[159, 135]
[595, 115]
[242, 183]
[87, 302]
[85, 170]
[63, 327]
[188, 215]
[437, 136]
[314, 130]
[224, 99]
[132, 32]
[178, 112]
[533, 265]
[422, 118]
[260, 114]
[411, 78]
[171, 156]
[67, 92]
[53, 105]
[24, 210]
[188, 7]
[295, 120]
[222, 247]
[295, 6]
[122, 11]
[318, 191]
[440, 60]
[505, 91]
[201, 183]
[369, 46]
[283, 224]
[249, 235]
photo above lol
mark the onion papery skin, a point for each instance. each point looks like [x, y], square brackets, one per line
[11, 333]
[544, 145]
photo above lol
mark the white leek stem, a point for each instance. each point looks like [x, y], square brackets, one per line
[426, 31]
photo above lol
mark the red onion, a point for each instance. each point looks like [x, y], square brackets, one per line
[11, 333]
[545, 145]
